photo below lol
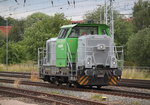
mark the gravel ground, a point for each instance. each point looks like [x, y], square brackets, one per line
[4, 100]
[110, 99]
[10, 100]
[128, 89]
[13, 102]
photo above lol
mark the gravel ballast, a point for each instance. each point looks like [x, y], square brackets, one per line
[110, 99]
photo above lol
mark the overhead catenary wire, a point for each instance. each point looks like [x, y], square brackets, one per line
[44, 8]
[24, 2]
[52, 2]
[55, 6]
[45, 2]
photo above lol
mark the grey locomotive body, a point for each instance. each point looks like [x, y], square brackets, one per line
[94, 60]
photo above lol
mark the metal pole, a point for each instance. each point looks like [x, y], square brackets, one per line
[100, 21]
[7, 44]
[112, 19]
[100, 16]
[106, 12]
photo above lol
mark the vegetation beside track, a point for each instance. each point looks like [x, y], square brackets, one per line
[128, 73]
[30, 67]
[23, 67]
[143, 74]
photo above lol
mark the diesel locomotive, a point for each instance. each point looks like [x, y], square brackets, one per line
[81, 55]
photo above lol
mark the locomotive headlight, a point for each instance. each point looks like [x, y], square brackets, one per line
[101, 47]
[114, 61]
[88, 62]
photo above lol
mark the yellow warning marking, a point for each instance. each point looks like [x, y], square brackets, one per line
[115, 78]
[83, 80]
[80, 79]
[86, 82]
[113, 81]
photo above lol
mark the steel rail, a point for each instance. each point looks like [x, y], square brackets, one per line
[52, 98]
[101, 91]
[136, 83]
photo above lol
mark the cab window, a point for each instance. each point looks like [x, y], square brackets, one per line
[83, 30]
[63, 33]
[104, 32]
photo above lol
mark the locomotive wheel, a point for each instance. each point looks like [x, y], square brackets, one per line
[69, 85]
[90, 87]
[76, 85]
[99, 87]
[57, 83]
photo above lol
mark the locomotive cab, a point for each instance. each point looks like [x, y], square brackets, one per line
[83, 54]
[68, 40]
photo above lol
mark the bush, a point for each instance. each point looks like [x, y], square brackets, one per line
[16, 53]
[139, 48]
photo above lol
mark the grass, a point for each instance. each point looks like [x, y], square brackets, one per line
[98, 97]
[30, 67]
[136, 74]
[54, 92]
[16, 83]
[24, 67]
[34, 77]
[135, 103]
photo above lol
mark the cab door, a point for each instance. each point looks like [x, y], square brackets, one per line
[72, 42]
[61, 48]
[61, 53]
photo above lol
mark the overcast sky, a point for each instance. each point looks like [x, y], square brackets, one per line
[19, 10]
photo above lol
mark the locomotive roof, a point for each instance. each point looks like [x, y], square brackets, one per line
[73, 25]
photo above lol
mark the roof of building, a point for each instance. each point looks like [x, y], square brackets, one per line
[5, 30]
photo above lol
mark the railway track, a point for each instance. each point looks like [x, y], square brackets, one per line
[15, 74]
[101, 91]
[145, 84]
[54, 99]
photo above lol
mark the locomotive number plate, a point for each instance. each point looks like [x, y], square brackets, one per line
[100, 75]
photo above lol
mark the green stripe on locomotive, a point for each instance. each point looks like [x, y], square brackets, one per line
[64, 40]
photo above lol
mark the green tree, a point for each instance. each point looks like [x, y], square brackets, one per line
[16, 53]
[35, 17]
[123, 30]
[139, 48]
[141, 15]
[17, 31]
[2, 39]
[11, 21]
[94, 16]
[2, 21]
[36, 35]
